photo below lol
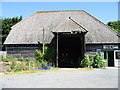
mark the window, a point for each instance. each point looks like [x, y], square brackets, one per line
[117, 55]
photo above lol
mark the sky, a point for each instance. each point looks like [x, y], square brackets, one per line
[104, 11]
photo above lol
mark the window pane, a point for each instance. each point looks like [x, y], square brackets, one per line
[117, 55]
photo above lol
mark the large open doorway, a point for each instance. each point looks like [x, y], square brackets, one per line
[70, 43]
[70, 48]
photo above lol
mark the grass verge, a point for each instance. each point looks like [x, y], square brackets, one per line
[32, 71]
[86, 69]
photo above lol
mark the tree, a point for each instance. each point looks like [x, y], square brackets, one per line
[115, 25]
[5, 27]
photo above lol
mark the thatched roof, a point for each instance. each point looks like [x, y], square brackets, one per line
[69, 25]
[30, 30]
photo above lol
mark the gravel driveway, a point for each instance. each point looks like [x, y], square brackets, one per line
[63, 78]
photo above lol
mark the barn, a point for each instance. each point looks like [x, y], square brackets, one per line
[71, 33]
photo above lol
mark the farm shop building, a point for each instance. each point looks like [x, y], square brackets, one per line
[71, 33]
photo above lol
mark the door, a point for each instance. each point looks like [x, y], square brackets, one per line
[110, 58]
[117, 58]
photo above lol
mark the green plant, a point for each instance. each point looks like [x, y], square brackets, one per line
[39, 59]
[40, 55]
[49, 55]
[24, 65]
[86, 61]
[44, 63]
[8, 59]
[21, 59]
[18, 68]
[12, 66]
[1, 58]
[97, 61]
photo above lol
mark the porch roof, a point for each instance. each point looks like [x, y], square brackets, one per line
[69, 26]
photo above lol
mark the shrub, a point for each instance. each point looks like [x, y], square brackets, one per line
[97, 61]
[40, 62]
[86, 61]
[19, 66]
[12, 66]
[24, 65]
[44, 63]
[39, 55]
[8, 59]
[49, 54]
[21, 59]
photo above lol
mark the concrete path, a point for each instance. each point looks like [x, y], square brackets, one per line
[63, 78]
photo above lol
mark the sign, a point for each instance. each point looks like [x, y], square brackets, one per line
[110, 46]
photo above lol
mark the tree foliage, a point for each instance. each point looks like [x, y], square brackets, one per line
[115, 25]
[5, 27]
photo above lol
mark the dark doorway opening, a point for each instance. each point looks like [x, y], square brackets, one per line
[111, 58]
[70, 50]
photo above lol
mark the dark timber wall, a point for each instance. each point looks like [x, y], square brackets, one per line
[94, 47]
[91, 49]
[25, 51]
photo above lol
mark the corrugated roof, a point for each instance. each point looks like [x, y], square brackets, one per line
[30, 30]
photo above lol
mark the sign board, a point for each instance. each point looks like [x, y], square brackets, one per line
[110, 46]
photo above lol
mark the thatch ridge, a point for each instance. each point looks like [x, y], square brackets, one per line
[58, 11]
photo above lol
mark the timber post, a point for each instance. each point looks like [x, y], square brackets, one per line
[43, 44]
[57, 52]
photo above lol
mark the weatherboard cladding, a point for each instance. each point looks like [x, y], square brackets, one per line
[30, 30]
[21, 51]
